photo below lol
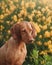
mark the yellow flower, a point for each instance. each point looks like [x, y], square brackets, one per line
[45, 43]
[7, 11]
[39, 7]
[43, 52]
[10, 2]
[3, 4]
[51, 38]
[1, 21]
[51, 27]
[14, 18]
[19, 15]
[1, 16]
[40, 26]
[48, 20]
[30, 4]
[7, 36]
[39, 14]
[39, 43]
[27, 5]
[0, 4]
[37, 27]
[39, 19]
[43, 62]
[50, 50]
[8, 22]
[43, 10]
[1, 36]
[20, 19]
[46, 8]
[8, 31]
[43, 18]
[40, 36]
[50, 42]
[22, 12]
[34, 11]
[12, 8]
[6, 14]
[15, 0]
[47, 34]
[1, 27]
[50, 13]
[50, 46]
[22, 3]
[50, 33]
[44, 27]
[32, 14]
[30, 17]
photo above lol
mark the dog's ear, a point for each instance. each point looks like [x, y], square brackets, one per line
[34, 32]
[15, 31]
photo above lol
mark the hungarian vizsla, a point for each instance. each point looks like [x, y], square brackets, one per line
[14, 51]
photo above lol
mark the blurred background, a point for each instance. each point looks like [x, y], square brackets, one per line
[37, 11]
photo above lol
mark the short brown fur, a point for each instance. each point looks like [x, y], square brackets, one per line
[14, 51]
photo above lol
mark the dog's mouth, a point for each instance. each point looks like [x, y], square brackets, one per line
[30, 41]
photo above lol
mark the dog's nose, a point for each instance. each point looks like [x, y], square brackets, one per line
[31, 40]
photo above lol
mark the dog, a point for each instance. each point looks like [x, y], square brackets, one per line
[14, 51]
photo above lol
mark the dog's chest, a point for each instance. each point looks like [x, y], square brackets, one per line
[16, 55]
[20, 54]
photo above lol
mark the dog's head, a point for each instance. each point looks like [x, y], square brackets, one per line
[23, 31]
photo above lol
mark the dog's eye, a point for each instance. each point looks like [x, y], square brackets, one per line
[23, 30]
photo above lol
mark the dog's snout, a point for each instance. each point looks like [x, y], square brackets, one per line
[30, 37]
[31, 40]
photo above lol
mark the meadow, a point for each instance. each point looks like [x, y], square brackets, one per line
[40, 13]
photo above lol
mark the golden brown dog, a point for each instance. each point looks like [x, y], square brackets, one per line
[13, 52]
